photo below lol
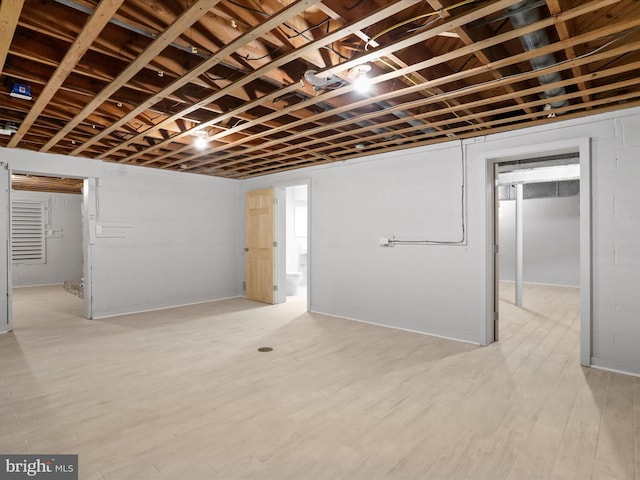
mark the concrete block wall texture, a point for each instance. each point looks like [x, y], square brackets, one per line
[412, 195]
[63, 250]
[180, 242]
[551, 241]
[615, 333]
[435, 289]
[181, 246]
[441, 290]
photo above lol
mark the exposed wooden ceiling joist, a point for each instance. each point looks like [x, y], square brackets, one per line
[9, 15]
[137, 83]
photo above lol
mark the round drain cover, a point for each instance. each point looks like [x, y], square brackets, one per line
[265, 349]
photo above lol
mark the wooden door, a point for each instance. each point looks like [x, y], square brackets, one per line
[259, 244]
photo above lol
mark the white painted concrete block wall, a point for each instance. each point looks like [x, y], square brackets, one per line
[435, 289]
[615, 176]
[63, 250]
[441, 290]
[551, 241]
[617, 237]
[183, 243]
[412, 195]
[181, 247]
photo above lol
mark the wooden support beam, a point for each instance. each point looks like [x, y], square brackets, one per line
[604, 105]
[581, 10]
[188, 18]
[9, 14]
[206, 65]
[280, 152]
[556, 7]
[289, 57]
[468, 40]
[405, 43]
[100, 17]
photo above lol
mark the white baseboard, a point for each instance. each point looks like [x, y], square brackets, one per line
[395, 328]
[133, 312]
[626, 368]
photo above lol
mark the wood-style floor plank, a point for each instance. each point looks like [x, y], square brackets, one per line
[184, 393]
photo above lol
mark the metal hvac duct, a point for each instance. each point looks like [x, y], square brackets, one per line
[526, 13]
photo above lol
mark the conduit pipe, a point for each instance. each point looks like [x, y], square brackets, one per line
[526, 13]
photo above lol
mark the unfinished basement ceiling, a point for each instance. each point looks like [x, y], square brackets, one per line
[270, 85]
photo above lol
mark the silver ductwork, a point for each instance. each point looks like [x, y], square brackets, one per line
[526, 13]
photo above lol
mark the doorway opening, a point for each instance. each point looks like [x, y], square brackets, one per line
[539, 242]
[297, 243]
[540, 245]
[47, 260]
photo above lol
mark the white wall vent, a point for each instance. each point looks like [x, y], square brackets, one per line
[28, 231]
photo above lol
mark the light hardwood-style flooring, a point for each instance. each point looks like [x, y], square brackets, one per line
[184, 394]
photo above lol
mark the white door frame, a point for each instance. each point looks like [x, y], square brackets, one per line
[89, 220]
[6, 323]
[583, 147]
[280, 270]
[88, 240]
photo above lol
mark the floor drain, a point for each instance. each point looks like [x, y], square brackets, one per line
[265, 349]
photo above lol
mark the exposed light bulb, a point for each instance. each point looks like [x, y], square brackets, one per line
[362, 82]
[200, 143]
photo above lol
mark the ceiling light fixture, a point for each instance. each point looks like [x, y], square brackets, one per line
[201, 140]
[8, 128]
[362, 82]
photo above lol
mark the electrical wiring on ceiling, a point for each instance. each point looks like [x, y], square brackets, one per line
[297, 32]
[429, 92]
[614, 40]
[437, 14]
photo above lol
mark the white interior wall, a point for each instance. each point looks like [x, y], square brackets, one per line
[5, 292]
[63, 246]
[174, 237]
[182, 246]
[413, 195]
[615, 204]
[434, 289]
[442, 290]
[551, 240]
